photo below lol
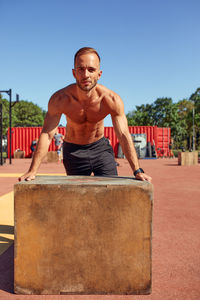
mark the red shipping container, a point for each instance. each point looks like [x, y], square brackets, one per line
[22, 138]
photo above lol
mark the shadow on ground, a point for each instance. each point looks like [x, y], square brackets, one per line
[5, 242]
[7, 270]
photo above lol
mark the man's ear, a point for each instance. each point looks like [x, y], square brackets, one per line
[99, 75]
[74, 74]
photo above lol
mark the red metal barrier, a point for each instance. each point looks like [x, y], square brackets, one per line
[163, 141]
[22, 138]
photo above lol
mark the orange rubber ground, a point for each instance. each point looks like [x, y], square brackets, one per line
[176, 230]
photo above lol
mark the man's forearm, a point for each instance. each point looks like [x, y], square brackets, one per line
[41, 151]
[121, 129]
[129, 151]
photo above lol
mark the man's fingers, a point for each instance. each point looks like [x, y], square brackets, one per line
[147, 178]
[143, 177]
[26, 177]
[21, 178]
[29, 178]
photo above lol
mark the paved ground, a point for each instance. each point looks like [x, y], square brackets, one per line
[176, 226]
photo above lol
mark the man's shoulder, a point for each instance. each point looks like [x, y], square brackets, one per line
[62, 96]
[107, 93]
[110, 99]
[60, 99]
[66, 91]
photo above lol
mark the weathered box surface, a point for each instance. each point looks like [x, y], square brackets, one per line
[83, 235]
[19, 154]
[188, 158]
[51, 157]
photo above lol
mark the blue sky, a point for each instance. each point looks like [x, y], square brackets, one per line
[149, 48]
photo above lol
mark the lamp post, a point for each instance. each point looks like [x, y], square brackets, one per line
[9, 92]
[193, 116]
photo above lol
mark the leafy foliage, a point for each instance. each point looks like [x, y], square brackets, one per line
[24, 114]
[195, 98]
[27, 114]
[178, 116]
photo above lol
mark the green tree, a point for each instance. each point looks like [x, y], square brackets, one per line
[162, 113]
[142, 116]
[195, 99]
[5, 115]
[185, 108]
[24, 114]
[27, 114]
[166, 114]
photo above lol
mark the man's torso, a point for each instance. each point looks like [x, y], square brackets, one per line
[85, 120]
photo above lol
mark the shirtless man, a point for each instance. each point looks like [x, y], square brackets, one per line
[86, 104]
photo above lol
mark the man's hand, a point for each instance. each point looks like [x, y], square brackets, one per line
[143, 177]
[27, 176]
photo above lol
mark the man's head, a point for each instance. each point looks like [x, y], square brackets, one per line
[86, 68]
[86, 50]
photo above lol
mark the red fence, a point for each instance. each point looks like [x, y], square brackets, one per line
[22, 138]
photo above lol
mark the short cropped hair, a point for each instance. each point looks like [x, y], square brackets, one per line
[86, 50]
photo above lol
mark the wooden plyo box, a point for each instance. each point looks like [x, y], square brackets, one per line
[188, 158]
[51, 157]
[83, 235]
[19, 154]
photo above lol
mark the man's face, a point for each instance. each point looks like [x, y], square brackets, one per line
[87, 71]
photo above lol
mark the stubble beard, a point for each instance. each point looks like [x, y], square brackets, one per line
[86, 88]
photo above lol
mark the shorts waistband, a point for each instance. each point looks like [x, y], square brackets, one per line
[79, 146]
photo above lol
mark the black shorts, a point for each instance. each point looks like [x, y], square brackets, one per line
[97, 157]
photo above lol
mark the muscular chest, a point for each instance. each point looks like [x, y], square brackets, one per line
[92, 113]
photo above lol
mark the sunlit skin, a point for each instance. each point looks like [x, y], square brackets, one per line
[85, 105]
[87, 72]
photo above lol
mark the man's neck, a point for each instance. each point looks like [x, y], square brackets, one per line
[86, 96]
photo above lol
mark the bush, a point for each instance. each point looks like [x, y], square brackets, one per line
[176, 152]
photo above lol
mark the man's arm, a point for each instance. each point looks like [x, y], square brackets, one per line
[120, 125]
[49, 128]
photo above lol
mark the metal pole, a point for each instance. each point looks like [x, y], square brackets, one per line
[193, 115]
[10, 122]
[9, 92]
